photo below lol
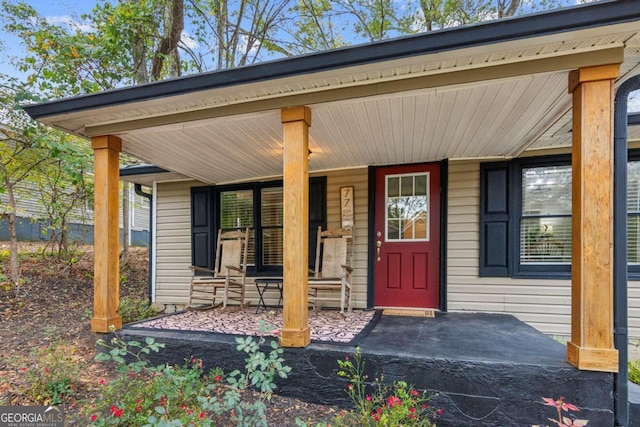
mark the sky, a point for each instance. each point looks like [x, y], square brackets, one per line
[66, 10]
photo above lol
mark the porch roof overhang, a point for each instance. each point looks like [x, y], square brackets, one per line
[488, 90]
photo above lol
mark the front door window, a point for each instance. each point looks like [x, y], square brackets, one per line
[407, 215]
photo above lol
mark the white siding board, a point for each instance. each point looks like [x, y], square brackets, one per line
[359, 179]
[173, 242]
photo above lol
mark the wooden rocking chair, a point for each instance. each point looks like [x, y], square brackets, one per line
[229, 274]
[332, 273]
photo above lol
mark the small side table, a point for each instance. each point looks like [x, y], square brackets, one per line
[265, 283]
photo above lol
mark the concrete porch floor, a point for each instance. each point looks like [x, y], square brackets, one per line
[486, 369]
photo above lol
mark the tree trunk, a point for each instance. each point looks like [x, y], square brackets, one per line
[14, 263]
[174, 24]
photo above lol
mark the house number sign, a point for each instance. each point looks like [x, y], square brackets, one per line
[346, 207]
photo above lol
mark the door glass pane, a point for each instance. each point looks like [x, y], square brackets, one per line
[406, 186]
[421, 185]
[393, 187]
[407, 212]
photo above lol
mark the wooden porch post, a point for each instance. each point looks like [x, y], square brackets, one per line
[591, 346]
[106, 232]
[296, 122]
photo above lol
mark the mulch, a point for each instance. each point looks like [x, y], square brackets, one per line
[54, 305]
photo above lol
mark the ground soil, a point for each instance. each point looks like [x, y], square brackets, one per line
[53, 304]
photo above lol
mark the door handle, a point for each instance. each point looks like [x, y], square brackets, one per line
[378, 244]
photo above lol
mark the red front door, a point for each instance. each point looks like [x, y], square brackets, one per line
[407, 236]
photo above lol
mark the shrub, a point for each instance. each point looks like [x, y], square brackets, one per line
[178, 396]
[53, 374]
[133, 309]
[382, 404]
[634, 372]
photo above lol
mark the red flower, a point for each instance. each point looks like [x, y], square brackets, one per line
[218, 378]
[138, 408]
[393, 401]
[415, 393]
[93, 417]
[349, 386]
[201, 416]
[46, 370]
[376, 417]
[412, 410]
[368, 398]
[23, 369]
[118, 413]
[439, 411]
[113, 408]
[102, 381]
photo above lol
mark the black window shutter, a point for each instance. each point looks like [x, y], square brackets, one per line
[494, 219]
[202, 227]
[317, 213]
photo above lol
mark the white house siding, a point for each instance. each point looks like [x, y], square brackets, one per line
[173, 236]
[173, 242]
[358, 178]
[543, 303]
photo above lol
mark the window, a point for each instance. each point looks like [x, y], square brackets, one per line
[633, 212]
[543, 213]
[258, 206]
[236, 212]
[407, 202]
[525, 218]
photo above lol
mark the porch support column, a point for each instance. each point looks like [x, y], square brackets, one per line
[106, 230]
[296, 122]
[591, 346]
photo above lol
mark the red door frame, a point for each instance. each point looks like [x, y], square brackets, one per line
[373, 198]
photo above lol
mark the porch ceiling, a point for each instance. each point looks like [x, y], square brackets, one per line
[493, 99]
[497, 118]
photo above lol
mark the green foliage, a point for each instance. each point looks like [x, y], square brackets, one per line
[133, 309]
[166, 395]
[52, 374]
[380, 404]
[634, 372]
[261, 371]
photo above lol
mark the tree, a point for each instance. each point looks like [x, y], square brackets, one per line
[64, 187]
[26, 147]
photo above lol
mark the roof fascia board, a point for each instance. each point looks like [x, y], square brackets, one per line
[455, 77]
[141, 170]
[551, 22]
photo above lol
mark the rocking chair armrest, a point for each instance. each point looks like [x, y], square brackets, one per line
[234, 268]
[195, 268]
